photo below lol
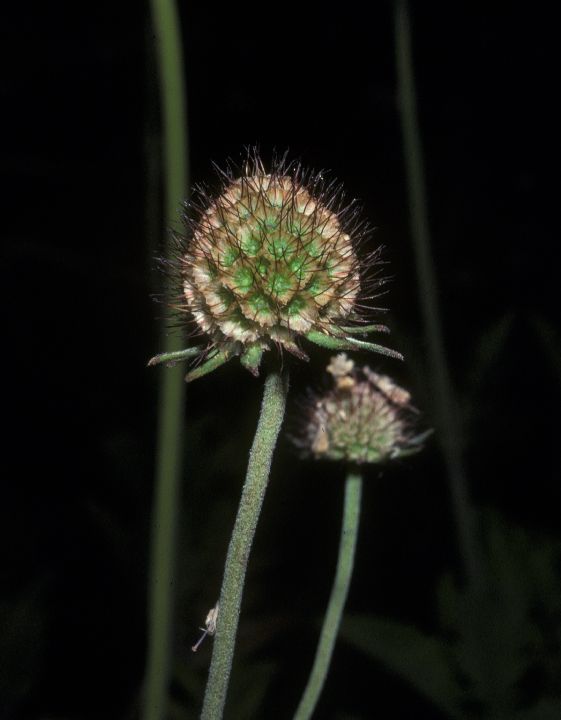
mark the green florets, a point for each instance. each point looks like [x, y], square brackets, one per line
[268, 262]
[271, 259]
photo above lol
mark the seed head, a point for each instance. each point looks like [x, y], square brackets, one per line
[364, 418]
[271, 258]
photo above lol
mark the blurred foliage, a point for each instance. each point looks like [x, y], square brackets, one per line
[484, 359]
[497, 653]
[23, 622]
[548, 338]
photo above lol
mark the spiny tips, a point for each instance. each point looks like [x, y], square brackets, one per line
[271, 258]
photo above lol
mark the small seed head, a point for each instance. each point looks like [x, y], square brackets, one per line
[365, 418]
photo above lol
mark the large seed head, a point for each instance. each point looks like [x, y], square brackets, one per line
[268, 260]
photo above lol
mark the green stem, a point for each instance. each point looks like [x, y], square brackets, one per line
[172, 388]
[339, 592]
[445, 415]
[270, 420]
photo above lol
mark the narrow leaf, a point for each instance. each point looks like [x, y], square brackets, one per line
[418, 658]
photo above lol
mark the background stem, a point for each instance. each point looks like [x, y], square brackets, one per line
[446, 420]
[172, 388]
[268, 427]
[339, 592]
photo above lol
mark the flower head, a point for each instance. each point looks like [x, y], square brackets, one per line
[274, 257]
[364, 418]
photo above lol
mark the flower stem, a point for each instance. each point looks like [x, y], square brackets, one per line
[444, 403]
[172, 387]
[339, 592]
[268, 427]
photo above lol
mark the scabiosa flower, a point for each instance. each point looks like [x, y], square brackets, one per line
[365, 418]
[271, 258]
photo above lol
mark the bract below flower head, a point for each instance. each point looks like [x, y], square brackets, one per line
[274, 257]
[365, 418]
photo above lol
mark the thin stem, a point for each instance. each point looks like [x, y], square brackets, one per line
[339, 592]
[270, 420]
[445, 415]
[172, 388]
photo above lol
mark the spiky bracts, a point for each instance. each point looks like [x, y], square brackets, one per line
[274, 257]
[364, 418]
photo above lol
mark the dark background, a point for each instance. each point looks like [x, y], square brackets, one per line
[80, 172]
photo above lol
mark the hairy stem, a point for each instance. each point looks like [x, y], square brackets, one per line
[172, 388]
[444, 404]
[268, 427]
[339, 592]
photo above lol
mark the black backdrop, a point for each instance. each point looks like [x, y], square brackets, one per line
[83, 210]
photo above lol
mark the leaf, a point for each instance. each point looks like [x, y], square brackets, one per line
[496, 637]
[420, 659]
